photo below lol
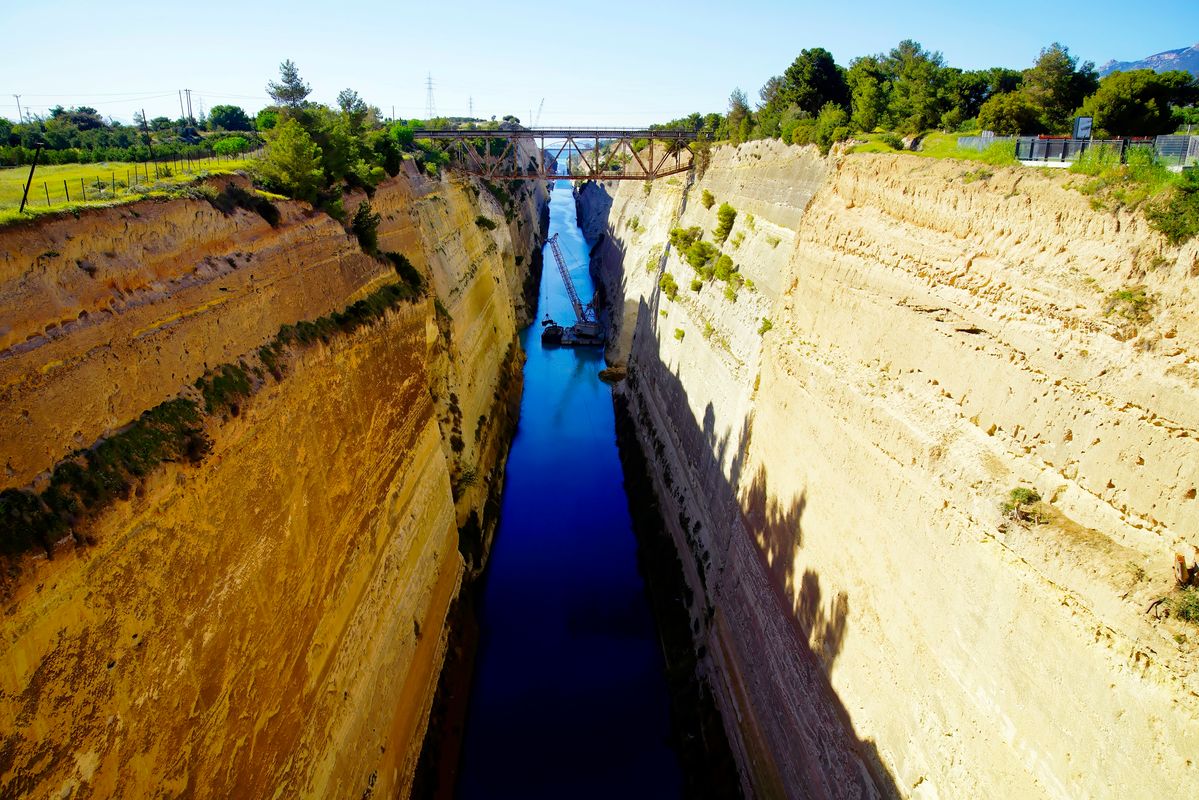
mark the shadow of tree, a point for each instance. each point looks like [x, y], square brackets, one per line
[769, 631]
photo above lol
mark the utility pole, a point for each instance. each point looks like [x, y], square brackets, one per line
[191, 119]
[471, 106]
[20, 116]
[146, 130]
[182, 115]
[429, 107]
[29, 182]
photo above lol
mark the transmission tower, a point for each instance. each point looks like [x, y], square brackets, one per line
[429, 107]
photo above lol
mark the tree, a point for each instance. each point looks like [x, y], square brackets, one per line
[292, 162]
[963, 94]
[916, 76]
[290, 91]
[1140, 102]
[1009, 114]
[769, 92]
[266, 119]
[726, 215]
[230, 118]
[161, 124]
[813, 80]
[832, 126]
[352, 106]
[738, 112]
[869, 89]
[1057, 85]
[231, 145]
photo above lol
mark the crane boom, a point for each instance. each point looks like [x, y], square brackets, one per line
[580, 310]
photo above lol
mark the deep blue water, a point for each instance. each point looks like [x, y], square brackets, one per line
[569, 698]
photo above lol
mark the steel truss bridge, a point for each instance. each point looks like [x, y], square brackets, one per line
[621, 154]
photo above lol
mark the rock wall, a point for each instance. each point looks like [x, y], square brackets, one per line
[831, 449]
[269, 620]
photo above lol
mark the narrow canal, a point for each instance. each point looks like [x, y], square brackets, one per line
[569, 697]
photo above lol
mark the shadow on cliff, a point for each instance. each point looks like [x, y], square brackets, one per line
[765, 615]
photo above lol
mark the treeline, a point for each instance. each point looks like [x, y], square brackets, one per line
[80, 135]
[910, 90]
[316, 152]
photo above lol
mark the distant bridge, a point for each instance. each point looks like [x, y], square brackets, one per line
[591, 153]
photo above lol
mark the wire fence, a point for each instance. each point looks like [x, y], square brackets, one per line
[100, 182]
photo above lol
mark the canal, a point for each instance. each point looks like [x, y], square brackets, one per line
[569, 698]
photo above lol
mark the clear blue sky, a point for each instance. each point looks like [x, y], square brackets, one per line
[594, 63]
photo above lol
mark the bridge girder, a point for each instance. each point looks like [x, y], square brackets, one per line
[598, 153]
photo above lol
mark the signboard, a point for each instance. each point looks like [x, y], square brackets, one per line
[1082, 127]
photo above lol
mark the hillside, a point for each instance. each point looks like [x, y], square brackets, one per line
[1184, 58]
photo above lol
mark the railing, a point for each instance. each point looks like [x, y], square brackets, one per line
[1179, 150]
[981, 143]
[1174, 150]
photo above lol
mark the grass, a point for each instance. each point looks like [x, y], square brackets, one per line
[12, 184]
[940, 145]
[1186, 605]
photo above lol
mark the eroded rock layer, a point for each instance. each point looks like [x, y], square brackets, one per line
[270, 620]
[914, 339]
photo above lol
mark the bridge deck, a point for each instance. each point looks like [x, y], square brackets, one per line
[591, 153]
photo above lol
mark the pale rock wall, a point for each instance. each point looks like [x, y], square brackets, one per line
[269, 622]
[873, 625]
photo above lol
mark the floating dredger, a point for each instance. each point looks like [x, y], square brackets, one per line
[586, 331]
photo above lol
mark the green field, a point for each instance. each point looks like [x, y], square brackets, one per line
[67, 184]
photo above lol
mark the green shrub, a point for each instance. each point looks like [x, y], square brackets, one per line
[668, 285]
[723, 269]
[366, 227]
[485, 223]
[682, 238]
[1018, 502]
[766, 326]
[635, 224]
[707, 199]
[1132, 304]
[892, 140]
[223, 387]
[696, 285]
[700, 255]
[726, 216]
[679, 333]
[1177, 218]
[408, 273]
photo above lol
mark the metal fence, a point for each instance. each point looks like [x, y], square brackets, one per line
[981, 143]
[1179, 150]
[1175, 150]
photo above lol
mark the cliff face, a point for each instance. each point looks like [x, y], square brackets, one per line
[873, 624]
[270, 619]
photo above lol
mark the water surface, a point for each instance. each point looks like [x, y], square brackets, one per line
[569, 699]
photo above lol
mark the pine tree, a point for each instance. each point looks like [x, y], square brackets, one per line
[291, 91]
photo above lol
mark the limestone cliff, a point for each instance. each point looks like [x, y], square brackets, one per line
[267, 618]
[831, 447]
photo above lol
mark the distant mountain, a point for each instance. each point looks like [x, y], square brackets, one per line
[1184, 58]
